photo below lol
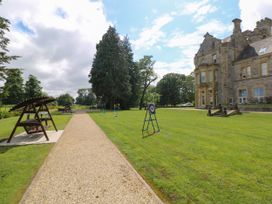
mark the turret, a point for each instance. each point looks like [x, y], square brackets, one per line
[237, 25]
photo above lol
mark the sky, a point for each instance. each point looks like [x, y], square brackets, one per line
[57, 39]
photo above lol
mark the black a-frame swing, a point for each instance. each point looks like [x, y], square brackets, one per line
[37, 107]
[150, 117]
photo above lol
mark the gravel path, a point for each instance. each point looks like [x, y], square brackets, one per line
[85, 167]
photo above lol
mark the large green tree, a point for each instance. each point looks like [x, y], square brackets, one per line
[175, 88]
[13, 88]
[85, 97]
[134, 73]
[4, 41]
[33, 87]
[110, 74]
[65, 100]
[169, 87]
[145, 66]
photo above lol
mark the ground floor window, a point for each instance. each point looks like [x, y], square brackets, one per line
[259, 94]
[242, 96]
[231, 101]
[203, 100]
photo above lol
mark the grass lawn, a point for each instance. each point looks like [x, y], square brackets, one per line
[18, 165]
[196, 158]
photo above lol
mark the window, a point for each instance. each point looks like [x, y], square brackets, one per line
[210, 74]
[231, 101]
[245, 72]
[203, 77]
[215, 75]
[248, 71]
[214, 58]
[203, 100]
[242, 96]
[264, 69]
[259, 94]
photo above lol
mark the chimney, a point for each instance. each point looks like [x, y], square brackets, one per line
[237, 25]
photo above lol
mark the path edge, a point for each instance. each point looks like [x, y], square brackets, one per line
[38, 173]
[130, 165]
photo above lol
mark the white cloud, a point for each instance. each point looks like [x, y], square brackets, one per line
[179, 66]
[253, 11]
[199, 9]
[150, 36]
[60, 50]
[183, 40]
[188, 44]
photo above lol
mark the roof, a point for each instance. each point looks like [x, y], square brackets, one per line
[33, 101]
[258, 48]
[227, 39]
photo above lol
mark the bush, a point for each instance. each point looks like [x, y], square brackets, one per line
[4, 114]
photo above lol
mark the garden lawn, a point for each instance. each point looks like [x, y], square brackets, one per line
[196, 158]
[19, 164]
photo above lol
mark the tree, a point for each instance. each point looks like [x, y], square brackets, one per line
[33, 87]
[13, 88]
[85, 97]
[65, 100]
[188, 92]
[109, 74]
[4, 41]
[170, 87]
[151, 95]
[145, 65]
[175, 88]
[134, 73]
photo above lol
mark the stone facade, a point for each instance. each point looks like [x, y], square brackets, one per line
[237, 69]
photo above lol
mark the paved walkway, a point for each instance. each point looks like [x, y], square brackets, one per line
[85, 167]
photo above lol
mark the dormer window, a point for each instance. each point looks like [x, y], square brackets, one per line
[262, 50]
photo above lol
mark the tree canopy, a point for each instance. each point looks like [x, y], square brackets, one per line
[85, 97]
[147, 74]
[175, 88]
[110, 74]
[33, 87]
[13, 92]
[4, 41]
[134, 73]
[65, 100]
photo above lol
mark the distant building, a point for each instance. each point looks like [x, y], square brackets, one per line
[237, 69]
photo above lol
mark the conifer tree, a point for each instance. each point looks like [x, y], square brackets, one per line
[33, 87]
[134, 73]
[110, 74]
[13, 92]
[4, 41]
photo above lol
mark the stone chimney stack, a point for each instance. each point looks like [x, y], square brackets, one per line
[237, 25]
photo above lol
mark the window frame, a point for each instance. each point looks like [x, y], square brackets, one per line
[242, 99]
[266, 69]
[260, 98]
[205, 77]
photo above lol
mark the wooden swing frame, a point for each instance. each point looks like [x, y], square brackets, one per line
[37, 106]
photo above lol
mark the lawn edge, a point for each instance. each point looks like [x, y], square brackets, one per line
[22, 191]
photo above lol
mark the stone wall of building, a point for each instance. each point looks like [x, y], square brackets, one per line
[227, 59]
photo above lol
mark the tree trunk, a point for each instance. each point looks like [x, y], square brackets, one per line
[142, 99]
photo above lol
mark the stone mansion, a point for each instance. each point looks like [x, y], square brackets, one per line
[237, 69]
